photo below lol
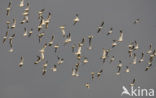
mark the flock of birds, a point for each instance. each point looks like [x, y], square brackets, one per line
[76, 48]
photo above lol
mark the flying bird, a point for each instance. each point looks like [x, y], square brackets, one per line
[90, 39]
[10, 42]
[51, 41]
[150, 49]
[76, 19]
[54, 68]
[63, 30]
[5, 37]
[121, 36]
[21, 3]
[133, 82]
[8, 9]
[100, 27]
[137, 21]
[56, 47]
[110, 31]
[148, 67]
[14, 24]
[21, 61]
[38, 60]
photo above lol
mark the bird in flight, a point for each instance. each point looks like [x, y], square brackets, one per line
[10, 42]
[121, 36]
[110, 31]
[100, 27]
[21, 61]
[90, 39]
[133, 82]
[8, 9]
[76, 19]
[21, 3]
[38, 60]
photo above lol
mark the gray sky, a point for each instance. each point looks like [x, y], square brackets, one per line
[28, 82]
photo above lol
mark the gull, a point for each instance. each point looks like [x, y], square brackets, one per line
[42, 51]
[119, 69]
[47, 20]
[104, 55]
[133, 82]
[134, 59]
[38, 60]
[40, 35]
[21, 3]
[73, 47]
[137, 21]
[120, 64]
[60, 60]
[82, 42]
[90, 39]
[43, 48]
[127, 69]
[136, 45]
[92, 75]
[5, 37]
[87, 85]
[79, 56]
[10, 42]
[76, 19]
[51, 41]
[112, 59]
[77, 73]
[40, 13]
[68, 39]
[44, 70]
[63, 30]
[14, 24]
[45, 64]
[121, 36]
[150, 60]
[54, 68]
[85, 60]
[56, 47]
[100, 27]
[99, 73]
[142, 58]
[21, 61]
[130, 52]
[25, 20]
[8, 9]
[79, 50]
[150, 49]
[30, 32]
[40, 25]
[73, 72]
[114, 43]
[25, 13]
[25, 32]
[147, 68]
[43, 21]
[27, 8]
[110, 31]
[8, 24]
[153, 53]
